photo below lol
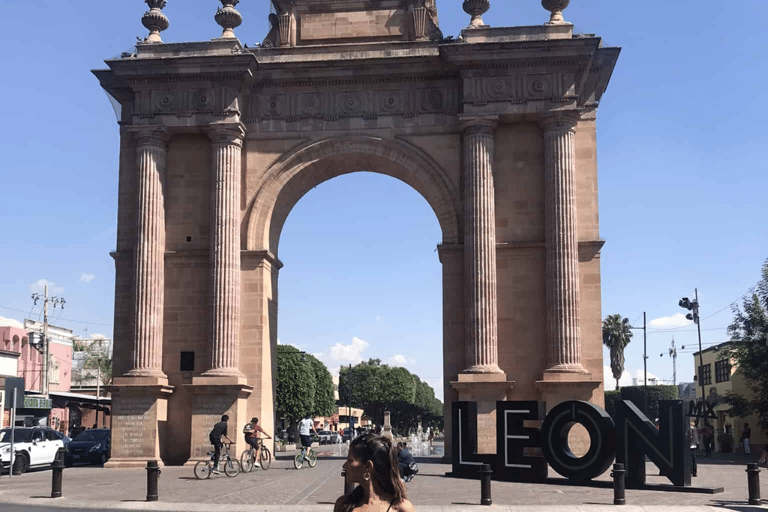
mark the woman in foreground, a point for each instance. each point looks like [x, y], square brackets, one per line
[372, 464]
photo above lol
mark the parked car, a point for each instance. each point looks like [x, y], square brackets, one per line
[328, 437]
[34, 446]
[91, 446]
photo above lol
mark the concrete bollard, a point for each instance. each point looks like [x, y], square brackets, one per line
[619, 489]
[485, 484]
[57, 475]
[753, 483]
[153, 476]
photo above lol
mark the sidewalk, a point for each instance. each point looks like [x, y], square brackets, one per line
[315, 489]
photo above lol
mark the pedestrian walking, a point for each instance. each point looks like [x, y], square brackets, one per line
[745, 435]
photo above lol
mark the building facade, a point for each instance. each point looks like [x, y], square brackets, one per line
[496, 130]
[719, 377]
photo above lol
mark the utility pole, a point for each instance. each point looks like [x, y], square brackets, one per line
[44, 380]
[673, 355]
[694, 315]
[645, 365]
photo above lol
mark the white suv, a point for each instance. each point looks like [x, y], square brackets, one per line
[34, 446]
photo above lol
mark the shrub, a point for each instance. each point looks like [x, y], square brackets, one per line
[655, 393]
[610, 402]
[726, 442]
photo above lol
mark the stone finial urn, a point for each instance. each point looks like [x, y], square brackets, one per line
[556, 7]
[154, 20]
[228, 17]
[476, 9]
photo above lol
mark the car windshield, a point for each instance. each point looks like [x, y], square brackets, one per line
[21, 435]
[92, 435]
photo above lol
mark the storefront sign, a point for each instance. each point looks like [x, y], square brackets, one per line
[524, 453]
[31, 402]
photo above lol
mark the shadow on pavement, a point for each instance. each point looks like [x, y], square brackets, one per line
[739, 506]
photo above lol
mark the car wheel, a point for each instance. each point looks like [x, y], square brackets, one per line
[24, 462]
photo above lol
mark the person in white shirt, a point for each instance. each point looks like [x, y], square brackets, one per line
[305, 426]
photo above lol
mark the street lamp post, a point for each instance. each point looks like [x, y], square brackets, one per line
[645, 365]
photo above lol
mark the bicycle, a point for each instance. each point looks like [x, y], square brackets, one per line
[205, 468]
[311, 458]
[248, 458]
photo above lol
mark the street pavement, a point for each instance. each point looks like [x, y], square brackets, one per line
[283, 488]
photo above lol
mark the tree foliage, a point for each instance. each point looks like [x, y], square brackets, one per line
[96, 362]
[616, 336]
[749, 350]
[304, 385]
[375, 388]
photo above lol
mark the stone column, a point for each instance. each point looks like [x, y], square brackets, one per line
[480, 248]
[225, 250]
[149, 254]
[562, 249]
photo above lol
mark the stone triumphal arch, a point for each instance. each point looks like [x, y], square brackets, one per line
[218, 141]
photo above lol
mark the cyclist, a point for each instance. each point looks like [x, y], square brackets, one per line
[305, 426]
[251, 432]
[219, 431]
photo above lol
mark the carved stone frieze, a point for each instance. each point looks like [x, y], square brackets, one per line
[520, 87]
[409, 101]
[186, 101]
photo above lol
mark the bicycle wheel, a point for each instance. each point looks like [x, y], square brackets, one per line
[246, 461]
[231, 468]
[298, 460]
[312, 458]
[265, 458]
[203, 469]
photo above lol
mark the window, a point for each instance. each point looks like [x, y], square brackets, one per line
[705, 372]
[722, 371]
[187, 362]
[53, 374]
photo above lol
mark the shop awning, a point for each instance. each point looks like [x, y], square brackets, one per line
[63, 399]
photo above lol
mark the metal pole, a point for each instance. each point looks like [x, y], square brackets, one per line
[57, 474]
[619, 488]
[701, 355]
[153, 475]
[753, 484]
[485, 484]
[44, 380]
[645, 369]
[13, 432]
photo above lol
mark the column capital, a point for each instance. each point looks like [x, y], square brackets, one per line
[226, 133]
[475, 124]
[145, 135]
[561, 121]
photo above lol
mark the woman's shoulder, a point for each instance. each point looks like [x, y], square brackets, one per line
[404, 506]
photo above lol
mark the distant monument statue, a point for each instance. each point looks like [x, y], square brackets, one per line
[218, 142]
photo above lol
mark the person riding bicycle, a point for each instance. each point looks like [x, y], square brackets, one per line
[305, 426]
[219, 431]
[251, 433]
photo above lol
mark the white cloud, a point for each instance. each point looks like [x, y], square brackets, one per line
[676, 320]
[98, 336]
[352, 353]
[39, 286]
[378, 318]
[627, 378]
[10, 322]
[86, 278]
[399, 360]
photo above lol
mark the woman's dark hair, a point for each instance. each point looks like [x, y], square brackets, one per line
[386, 471]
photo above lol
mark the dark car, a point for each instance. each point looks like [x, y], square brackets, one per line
[91, 446]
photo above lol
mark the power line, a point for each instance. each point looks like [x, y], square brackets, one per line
[65, 319]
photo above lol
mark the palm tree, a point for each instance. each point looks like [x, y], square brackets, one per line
[616, 336]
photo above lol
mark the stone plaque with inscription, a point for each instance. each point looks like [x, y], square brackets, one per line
[345, 25]
[135, 427]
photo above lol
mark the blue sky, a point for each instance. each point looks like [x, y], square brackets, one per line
[681, 141]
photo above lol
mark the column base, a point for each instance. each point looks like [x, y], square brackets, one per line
[139, 416]
[215, 396]
[485, 389]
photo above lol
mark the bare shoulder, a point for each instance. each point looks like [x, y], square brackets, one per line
[405, 506]
[339, 504]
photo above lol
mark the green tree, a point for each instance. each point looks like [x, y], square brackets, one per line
[304, 385]
[96, 362]
[749, 350]
[616, 336]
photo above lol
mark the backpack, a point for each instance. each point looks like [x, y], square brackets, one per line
[248, 428]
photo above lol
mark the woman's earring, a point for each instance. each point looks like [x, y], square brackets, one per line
[367, 476]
